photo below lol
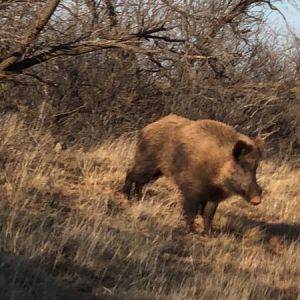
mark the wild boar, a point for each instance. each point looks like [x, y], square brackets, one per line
[208, 160]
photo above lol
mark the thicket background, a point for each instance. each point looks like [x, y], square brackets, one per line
[98, 68]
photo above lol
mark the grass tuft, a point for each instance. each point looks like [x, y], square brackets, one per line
[67, 233]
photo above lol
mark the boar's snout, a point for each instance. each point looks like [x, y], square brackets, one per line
[254, 193]
[255, 200]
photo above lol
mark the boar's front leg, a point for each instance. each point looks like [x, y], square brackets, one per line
[190, 206]
[208, 211]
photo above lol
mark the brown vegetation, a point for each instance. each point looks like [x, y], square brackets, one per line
[96, 70]
[66, 232]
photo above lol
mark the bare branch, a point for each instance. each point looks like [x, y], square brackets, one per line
[148, 34]
[40, 22]
[40, 79]
[77, 49]
[112, 13]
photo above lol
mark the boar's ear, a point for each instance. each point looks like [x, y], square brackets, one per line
[260, 143]
[241, 148]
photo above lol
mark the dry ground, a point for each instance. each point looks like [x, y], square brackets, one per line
[66, 233]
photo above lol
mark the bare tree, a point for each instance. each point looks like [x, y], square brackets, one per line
[124, 63]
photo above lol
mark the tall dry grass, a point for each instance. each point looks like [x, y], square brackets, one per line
[67, 233]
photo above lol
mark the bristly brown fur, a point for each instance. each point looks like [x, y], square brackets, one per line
[208, 160]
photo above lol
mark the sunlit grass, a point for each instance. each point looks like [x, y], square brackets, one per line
[67, 233]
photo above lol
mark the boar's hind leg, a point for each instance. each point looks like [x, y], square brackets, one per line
[128, 185]
[137, 177]
[208, 211]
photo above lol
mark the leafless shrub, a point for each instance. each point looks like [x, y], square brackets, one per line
[107, 68]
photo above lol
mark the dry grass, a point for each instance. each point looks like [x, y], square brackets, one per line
[66, 232]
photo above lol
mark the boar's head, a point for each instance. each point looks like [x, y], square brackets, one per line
[246, 158]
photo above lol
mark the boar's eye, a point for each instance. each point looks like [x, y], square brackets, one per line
[240, 149]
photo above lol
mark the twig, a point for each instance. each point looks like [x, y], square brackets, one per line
[59, 116]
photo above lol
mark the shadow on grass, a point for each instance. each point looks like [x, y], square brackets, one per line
[271, 292]
[115, 270]
[43, 278]
[239, 224]
[56, 274]
[22, 278]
